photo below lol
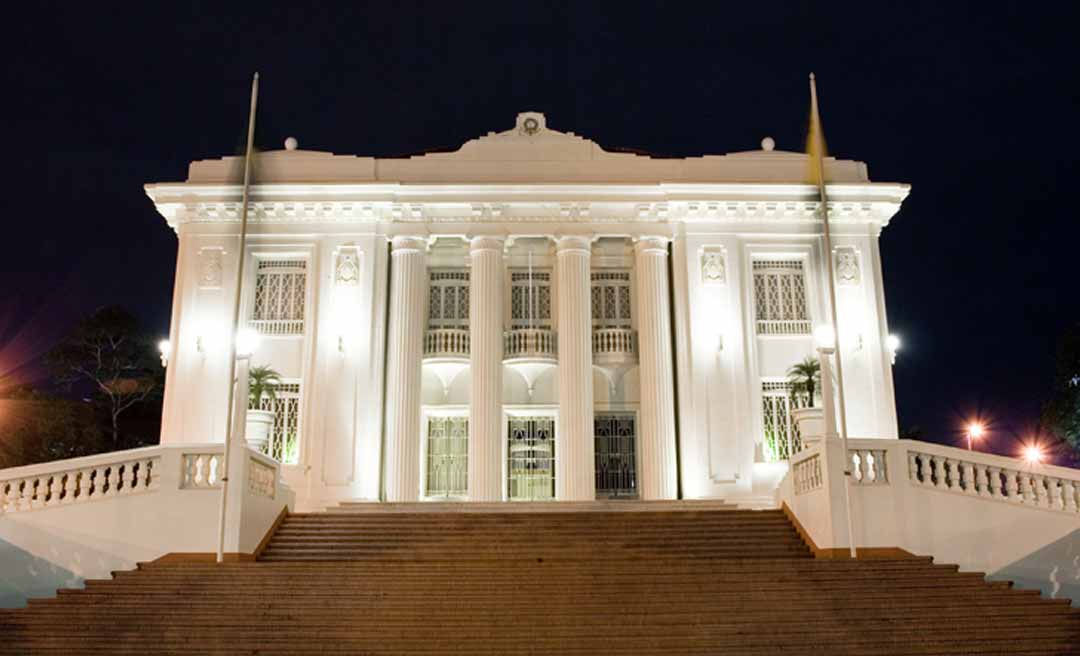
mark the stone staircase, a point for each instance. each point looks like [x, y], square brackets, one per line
[603, 578]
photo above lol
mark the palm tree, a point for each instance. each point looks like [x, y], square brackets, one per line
[262, 383]
[805, 380]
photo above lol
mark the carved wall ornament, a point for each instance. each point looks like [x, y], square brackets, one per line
[210, 268]
[347, 268]
[847, 266]
[713, 267]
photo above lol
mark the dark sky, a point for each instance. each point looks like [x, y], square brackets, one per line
[973, 104]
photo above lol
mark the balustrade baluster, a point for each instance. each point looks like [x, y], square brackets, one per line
[113, 479]
[982, 480]
[865, 475]
[1012, 485]
[913, 467]
[1027, 492]
[132, 469]
[28, 493]
[56, 484]
[952, 473]
[939, 472]
[1068, 491]
[1041, 497]
[1056, 500]
[969, 478]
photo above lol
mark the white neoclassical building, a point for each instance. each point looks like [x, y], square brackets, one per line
[528, 317]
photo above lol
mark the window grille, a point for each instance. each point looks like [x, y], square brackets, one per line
[530, 299]
[447, 456]
[611, 299]
[280, 286]
[780, 297]
[531, 463]
[284, 443]
[448, 298]
[782, 437]
[616, 455]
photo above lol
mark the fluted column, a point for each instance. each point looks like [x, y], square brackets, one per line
[657, 430]
[485, 363]
[408, 290]
[574, 463]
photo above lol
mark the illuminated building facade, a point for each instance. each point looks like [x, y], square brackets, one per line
[528, 317]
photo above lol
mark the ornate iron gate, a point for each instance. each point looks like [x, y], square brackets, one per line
[531, 466]
[616, 455]
[448, 456]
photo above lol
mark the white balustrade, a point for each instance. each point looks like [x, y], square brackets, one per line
[530, 343]
[776, 327]
[869, 466]
[806, 474]
[65, 482]
[262, 476]
[446, 343]
[614, 341]
[201, 471]
[277, 327]
[976, 477]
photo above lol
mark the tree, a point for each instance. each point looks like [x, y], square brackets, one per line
[109, 356]
[262, 383]
[1061, 413]
[805, 379]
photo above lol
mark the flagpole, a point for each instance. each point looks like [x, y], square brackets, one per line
[819, 146]
[236, 320]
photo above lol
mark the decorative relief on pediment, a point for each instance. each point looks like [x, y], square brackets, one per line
[347, 267]
[713, 266]
[846, 261]
[210, 268]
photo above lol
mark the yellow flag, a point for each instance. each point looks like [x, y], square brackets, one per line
[815, 141]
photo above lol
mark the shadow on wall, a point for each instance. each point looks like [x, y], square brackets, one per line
[25, 576]
[1054, 570]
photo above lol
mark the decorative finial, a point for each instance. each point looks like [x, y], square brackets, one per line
[291, 143]
[767, 143]
[811, 76]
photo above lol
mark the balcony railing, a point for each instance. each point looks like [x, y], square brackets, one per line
[530, 343]
[777, 327]
[273, 327]
[607, 342]
[446, 343]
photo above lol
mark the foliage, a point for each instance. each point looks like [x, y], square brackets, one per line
[108, 356]
[912, 433]
[1061, 413]
[262, 382]
[43, 429]
[805, 380]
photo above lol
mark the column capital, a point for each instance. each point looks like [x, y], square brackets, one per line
[402, 244]
[482, 243]
[581, 244]
[651, 244]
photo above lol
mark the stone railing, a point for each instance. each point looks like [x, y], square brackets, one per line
[869, 465]
[614, 342]
[201, 471]
[80, 480]
[262, 475]
[806, 473]
[446, 343]
[277, 327]
[777, 327]
[538, 343]
[993, 477]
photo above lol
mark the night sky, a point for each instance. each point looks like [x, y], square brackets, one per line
[973, 104]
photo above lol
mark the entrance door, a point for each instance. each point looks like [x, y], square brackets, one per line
[616, 455]
[447, 457]
[531, 466]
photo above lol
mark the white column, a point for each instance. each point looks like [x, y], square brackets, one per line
[485, 363]
[657, 430]
[408, 289]
[574, 462]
